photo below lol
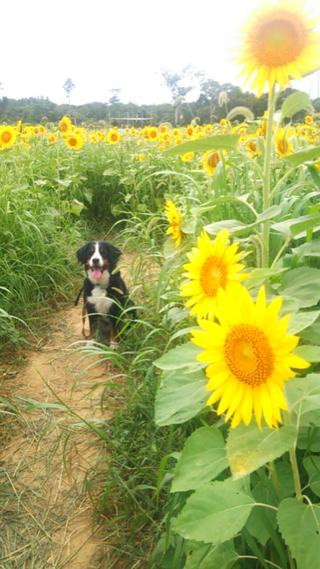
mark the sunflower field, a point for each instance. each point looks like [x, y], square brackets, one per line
[224, 471]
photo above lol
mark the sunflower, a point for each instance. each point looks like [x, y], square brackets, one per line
[249, 357]
[187, 156]
[152, 133]
[8, 135]
[213, 265]
[174, 218]
[113, 136]
[65, 124]
[283, 145]
[52, 138]
[210, 161]
[280, 43]
[74, 141]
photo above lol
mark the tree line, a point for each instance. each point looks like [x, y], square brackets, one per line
[214, 101]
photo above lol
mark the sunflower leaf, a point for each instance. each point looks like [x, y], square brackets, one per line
[180, 357]
[300, 528]
[303, 395]
[302, 284]
[206, 557]
[181, 395]
[303, 156]
[294, 103]
[312, 466]
[248, 448]
[202, 459]
[218, 142]
[214, 513]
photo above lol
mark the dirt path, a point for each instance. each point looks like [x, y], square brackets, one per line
[46, 514]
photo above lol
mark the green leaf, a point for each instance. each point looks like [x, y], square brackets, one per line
[76, 207]
[261, 519]
[302, 284]
[180, 357]
[257, 277]
[215, 513]
[232, 224]
[248, 448]
[202, 459]
[181, 396]
[297, 227]
[268, 213]
[303, 395]
[301, 320]
[300, 527]
[218, 142]
[312, 466]
[309, 439]
[312, 333]
[240, 111]
[295, 103]
[309, 353]
[309, 249]
[207, 557]
[303, 156]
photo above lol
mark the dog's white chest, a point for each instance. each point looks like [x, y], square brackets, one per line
[99, 299]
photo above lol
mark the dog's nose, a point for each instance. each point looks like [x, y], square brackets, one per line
[96, 262]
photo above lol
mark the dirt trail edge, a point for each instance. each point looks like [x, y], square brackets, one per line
[46, 514]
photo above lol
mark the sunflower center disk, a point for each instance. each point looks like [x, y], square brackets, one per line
[6, 137]
[248, 354]
[213, 275]
[280, 41]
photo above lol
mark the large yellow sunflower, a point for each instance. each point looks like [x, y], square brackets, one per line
[213, 265]
[280, 43]
[174, 218]
[210, 161]
[249, 357]
[8, 135]
[113, 136]
[74, 141]
[65, 124]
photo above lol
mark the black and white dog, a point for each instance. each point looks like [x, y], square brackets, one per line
[105, 294]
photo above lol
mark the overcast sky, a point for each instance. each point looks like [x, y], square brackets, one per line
[108, 44]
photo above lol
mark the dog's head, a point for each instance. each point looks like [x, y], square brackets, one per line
[99, 259]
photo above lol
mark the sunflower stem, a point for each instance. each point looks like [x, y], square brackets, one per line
[267, 177]
[295, 473]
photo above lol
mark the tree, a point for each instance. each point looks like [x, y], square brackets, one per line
[68, 86]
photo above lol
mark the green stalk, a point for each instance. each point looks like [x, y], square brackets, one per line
[295, 473]
[267, 177]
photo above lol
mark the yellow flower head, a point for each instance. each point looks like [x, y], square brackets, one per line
[280, 44]
[113, 136]
[152, 133]
[187, 156]
[8, 135]
[308, 119]
[189, 131]
[283, 146]
[52, 138]
[65, 125]
[213, 265]
[174, 218]
[210, 161]
[249, 357]
[74, 141]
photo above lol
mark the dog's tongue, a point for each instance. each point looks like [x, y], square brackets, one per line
[97, 273]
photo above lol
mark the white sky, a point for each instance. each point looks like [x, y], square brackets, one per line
[106, 44]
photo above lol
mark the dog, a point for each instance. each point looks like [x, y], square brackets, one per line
[105, 295]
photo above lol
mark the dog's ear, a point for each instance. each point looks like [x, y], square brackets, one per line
[82, 253]
[112, 253]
